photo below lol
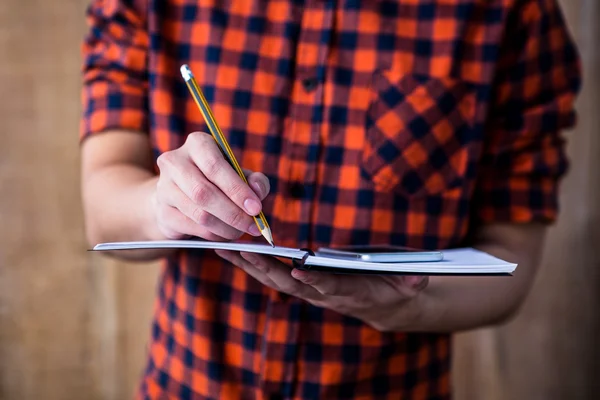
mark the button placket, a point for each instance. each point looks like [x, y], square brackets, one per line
[313, 49]
[301, 140]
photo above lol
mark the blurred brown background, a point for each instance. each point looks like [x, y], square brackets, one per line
[74, 325]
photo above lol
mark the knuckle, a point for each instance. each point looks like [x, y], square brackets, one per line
[233, 235]
[328, 291]
[200, 216]
[171, 234]
[196, 137]
[288, 288]
[362, 299]
[238, 219]
[164, 160]
[211, 164]
[238, 190]
[212, 237]
[201, 193]
[292, 289]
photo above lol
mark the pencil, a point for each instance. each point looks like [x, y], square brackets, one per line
[217, 134]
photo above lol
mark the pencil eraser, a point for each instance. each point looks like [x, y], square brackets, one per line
[186, 72]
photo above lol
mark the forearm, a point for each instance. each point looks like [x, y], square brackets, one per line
[117, 192]
[451, 304]
[117, 204]
[118, 207]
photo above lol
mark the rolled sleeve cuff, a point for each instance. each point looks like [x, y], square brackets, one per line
[519, 200]
[523, 185]
[110, 105]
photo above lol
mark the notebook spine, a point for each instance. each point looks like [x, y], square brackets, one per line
[301, 264]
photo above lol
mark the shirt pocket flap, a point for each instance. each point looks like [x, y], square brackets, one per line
[418, 133]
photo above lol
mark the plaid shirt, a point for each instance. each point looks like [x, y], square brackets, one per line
[395, 122]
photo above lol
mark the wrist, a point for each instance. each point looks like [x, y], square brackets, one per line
[415, 314]
[150, 230]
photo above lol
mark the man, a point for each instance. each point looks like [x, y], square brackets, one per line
[422, 123]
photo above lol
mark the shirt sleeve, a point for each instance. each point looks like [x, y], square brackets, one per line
[524, 157]
[115, 78]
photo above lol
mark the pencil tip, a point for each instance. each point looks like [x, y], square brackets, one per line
[267, 234]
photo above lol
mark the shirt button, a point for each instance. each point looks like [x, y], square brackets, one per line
[296, 190]
[310, 84]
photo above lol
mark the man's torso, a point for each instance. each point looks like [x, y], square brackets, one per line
[367, 117]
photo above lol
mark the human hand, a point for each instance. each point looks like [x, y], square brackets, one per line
[387, 303]
[199, 193]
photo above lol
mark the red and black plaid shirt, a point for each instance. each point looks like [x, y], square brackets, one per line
[400, 122]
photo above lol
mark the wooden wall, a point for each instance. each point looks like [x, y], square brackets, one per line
[73, 325]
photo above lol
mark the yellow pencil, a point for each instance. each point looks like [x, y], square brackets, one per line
[217, 134]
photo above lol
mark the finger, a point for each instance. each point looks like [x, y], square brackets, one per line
[406, 285]
[205, 153]
[236, 259]
[416, 282]
[169, 193]
[329, 284]
[279, 274]
[174, 225]
[203, 193]
[259, 183]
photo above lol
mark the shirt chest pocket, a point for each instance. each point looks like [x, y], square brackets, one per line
[418, 136]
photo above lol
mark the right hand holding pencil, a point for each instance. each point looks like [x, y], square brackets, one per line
[199, 194]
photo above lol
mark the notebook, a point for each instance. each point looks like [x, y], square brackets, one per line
[461, 261]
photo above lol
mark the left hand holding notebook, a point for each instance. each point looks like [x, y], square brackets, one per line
[372, 299]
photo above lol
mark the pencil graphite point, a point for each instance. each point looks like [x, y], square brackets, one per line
[266, 232]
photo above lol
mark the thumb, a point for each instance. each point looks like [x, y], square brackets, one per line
[259, 183]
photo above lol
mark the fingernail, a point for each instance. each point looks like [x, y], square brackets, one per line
[253, 230]
[259, 188]
[252, 206]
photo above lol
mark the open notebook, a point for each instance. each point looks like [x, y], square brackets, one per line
[464, 261]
